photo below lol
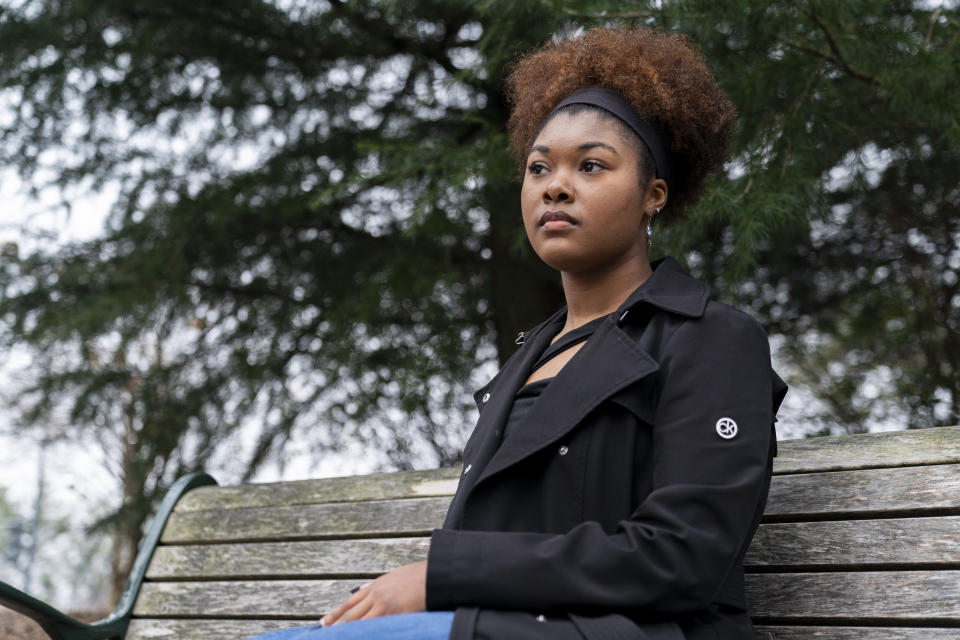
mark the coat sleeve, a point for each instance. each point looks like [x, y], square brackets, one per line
[674, 551]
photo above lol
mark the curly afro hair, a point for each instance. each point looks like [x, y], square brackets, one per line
[662, 75]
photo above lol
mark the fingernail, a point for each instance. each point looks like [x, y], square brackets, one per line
[355, 589]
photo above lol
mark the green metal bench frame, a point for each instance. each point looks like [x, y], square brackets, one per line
[60, 626]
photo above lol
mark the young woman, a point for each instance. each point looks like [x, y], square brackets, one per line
[622, 457]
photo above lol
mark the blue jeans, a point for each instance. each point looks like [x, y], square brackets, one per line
[429, 625]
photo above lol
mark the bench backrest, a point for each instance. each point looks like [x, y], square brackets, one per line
[861, 539]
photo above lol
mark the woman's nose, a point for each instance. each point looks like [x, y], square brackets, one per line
[557, 192]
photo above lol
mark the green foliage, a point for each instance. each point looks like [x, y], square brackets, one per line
[843, 206]
[317, 224]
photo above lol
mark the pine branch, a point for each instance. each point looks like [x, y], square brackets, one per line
[600, 15]
[838, 57]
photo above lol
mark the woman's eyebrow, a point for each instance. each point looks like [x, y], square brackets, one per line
[542, 148]
[591, 145]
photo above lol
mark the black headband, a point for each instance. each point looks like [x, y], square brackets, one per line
[653, 137]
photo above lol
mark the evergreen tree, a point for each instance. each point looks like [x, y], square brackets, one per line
[317, 226]
[848, 141]
[316, 222]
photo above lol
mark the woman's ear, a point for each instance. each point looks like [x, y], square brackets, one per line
[656, 195]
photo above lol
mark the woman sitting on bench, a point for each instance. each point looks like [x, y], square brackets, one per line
[623, 454]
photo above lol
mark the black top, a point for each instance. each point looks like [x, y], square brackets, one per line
[572, 337]
[522, 403]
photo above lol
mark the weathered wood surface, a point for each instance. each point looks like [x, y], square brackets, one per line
[323, 558]
[902, 596]
[870, 450]
[378, 486]
[172, 629]
[855, 633]
[940, 445]
[303, 599]
[906, 541]
[875, 491]
[384, 518]
[871, 491]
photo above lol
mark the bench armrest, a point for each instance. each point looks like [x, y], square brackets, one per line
[60, 626]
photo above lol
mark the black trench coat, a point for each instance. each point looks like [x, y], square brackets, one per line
[622, 505]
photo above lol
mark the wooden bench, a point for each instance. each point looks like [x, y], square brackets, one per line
[861, 540]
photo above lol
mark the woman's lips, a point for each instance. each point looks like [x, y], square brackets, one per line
[556, 220]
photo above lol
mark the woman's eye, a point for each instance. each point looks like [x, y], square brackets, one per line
[591, 166]
[536, 168]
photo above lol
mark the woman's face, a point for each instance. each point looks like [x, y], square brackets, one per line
[584, 209]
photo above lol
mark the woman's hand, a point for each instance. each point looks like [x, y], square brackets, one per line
[403, 590]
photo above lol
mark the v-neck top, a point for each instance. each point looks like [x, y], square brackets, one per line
[567, 340]
[528, 394]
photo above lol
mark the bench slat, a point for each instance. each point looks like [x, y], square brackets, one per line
[303, 599]
[842, 597]
[940, 445]
[867, 450]
[906, 489]
[414, 516]
[852, 596]
[765, 632]
[886, 491]
[286, 559]
[378, 486]
[832, 453]
[905, 541]
[173, 629]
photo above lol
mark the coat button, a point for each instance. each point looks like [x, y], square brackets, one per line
[541, 618]
[467, 470]
[564, 450]
[485, 397]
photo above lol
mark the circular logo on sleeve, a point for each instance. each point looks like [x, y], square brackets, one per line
[726, 428]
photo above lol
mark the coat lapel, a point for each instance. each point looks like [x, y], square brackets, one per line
[609, 361]
[502, 390]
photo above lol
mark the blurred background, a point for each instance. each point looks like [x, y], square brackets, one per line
[281, 238]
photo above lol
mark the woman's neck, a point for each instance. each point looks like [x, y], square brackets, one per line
[590, 296]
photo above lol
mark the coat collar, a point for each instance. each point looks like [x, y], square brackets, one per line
[672, 289]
